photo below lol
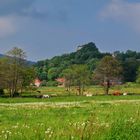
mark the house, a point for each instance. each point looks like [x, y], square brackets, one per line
[37, 82]
[61, 81]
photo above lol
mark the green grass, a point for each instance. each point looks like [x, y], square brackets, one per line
[69, 99]
[71, 117]
[60, 118]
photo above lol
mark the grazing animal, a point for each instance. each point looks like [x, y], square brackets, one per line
[125, 94]
[117, 93]
[45, 96]
[89, 95]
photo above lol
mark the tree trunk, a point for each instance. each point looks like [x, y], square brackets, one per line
[107, 87]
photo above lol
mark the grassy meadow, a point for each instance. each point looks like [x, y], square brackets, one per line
[70, 117]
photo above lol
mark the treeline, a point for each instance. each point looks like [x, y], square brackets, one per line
[50, 69]
[86, 66]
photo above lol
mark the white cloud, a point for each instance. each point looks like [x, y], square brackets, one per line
[7, 26]
[123, 11]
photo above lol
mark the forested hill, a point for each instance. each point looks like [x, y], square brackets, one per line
[88, 54]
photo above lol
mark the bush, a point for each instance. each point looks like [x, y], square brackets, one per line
[1, 92]
[52, 83]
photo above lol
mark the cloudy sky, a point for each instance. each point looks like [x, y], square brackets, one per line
[45, 28]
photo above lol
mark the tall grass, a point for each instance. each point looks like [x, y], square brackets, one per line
[82, 121]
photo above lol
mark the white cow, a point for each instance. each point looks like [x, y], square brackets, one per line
[125, 94]
[45, 96]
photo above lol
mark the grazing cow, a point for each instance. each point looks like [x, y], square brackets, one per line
[45, 96]
[89, 95]
[125, 94]
[116, 93]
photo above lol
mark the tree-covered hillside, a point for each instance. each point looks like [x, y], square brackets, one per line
[87, 54]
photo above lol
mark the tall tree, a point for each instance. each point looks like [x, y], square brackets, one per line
[108, 70]
[16, 57]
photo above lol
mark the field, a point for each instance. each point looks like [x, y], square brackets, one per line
[70, 117]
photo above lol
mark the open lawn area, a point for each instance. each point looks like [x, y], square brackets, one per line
[70, 117]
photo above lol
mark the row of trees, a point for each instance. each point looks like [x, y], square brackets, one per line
[15, 74]
[108, 71]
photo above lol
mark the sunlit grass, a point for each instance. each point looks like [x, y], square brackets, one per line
[86, 119]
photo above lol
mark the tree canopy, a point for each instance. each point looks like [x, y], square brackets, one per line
[108, 70]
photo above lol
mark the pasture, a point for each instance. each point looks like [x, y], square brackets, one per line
[70, 117]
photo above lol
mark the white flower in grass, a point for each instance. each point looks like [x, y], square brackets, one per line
[83, 124]
[46, 132]
[5, 136]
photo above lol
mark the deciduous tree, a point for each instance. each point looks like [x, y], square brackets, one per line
[108, 70]
[78, 76]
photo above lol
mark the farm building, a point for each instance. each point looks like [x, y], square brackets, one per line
[37, 82]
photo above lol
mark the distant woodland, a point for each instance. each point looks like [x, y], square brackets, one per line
[89, 55]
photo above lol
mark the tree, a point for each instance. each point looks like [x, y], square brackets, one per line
[16, 59]
[28, 76]
[138, 76]
[77, 75]
[130, 66]
[108, 70]
[14, 73]
[68, 75]
[5, 74]
[53, 73]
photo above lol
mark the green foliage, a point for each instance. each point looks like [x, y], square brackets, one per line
[53, 73]
[109, 69]
[138, 76]
[87, 54]
[77, 75]
[130, 63]
[15, 74]
[90, 55]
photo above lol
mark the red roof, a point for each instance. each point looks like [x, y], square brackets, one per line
[37, 81]
[60, 80]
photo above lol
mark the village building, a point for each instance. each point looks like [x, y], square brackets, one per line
[61, 82]
[37, 82]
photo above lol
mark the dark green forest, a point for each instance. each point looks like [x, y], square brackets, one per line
[89, 55]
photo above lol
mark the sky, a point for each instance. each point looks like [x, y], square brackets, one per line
[46, 28]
